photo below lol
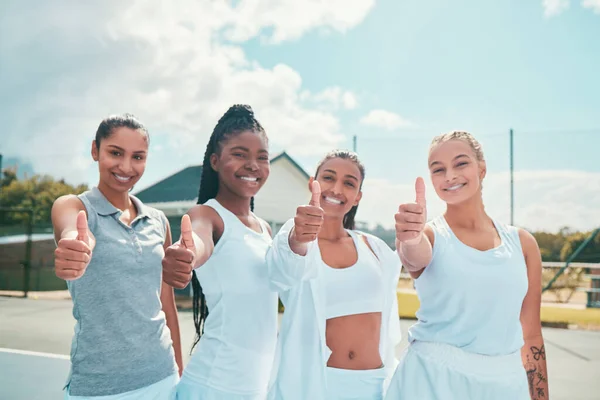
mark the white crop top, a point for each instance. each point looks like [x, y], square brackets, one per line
[356, 289]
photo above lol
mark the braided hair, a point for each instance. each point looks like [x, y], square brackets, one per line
[238, 118]
[352, 156]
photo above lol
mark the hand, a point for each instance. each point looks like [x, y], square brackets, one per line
[179, 258]
[411, 217]
[72, 256]
[309, 219]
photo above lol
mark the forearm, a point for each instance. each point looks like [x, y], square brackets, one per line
[533, 355]
[416, 256]
[171, 316]
[297, 247]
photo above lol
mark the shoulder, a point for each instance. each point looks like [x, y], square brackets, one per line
[528, 241]
[206, 215]
[155, 212]
[68, 202]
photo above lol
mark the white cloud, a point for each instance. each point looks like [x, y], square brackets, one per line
[386, 120]
[67, 65]
[332, 98]
[544, 200]
[291, 19]
[555, 7]
[594, 5]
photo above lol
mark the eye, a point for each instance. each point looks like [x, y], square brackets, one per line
[350, 183]
[264, 158]
[327, 178]
[138, 157]
[238, 155]
[115, 153]
[461, 164]
[437, 170]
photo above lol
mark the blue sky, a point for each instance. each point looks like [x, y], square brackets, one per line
[483, 66]
[393, 72]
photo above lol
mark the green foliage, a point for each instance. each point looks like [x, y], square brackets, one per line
[38, 192]
[591, 252]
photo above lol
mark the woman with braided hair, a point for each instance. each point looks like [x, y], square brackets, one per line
[222, 250]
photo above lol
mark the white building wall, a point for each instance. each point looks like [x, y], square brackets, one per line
[276, 202]
[284, 191]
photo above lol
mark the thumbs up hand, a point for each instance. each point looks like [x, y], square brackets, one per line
[411, 217]
[309, 219]
[72, 255]
[179, 258]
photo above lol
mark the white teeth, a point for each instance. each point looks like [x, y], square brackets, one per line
[455, 187]
[333, 201]
[122, 178]
[249, 178]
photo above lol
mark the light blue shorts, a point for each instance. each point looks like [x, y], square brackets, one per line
[161, 390]
[191, 390]
[437, 371]
[347, 384]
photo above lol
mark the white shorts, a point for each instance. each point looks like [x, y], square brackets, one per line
[190, 390]
[161, 390]
[347, 384]
[437, 371]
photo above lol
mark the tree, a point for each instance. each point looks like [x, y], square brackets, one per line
[590, 254]
[551, 244]
[37, 192]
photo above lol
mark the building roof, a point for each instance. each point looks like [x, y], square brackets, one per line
[183, 185]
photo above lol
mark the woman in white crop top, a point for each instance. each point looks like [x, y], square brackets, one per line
[223, 246]
[340, 326]
[478, 333]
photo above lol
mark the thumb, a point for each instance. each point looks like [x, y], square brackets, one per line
[420, 191]
[187, 239]
[82, 227]
[315, 200]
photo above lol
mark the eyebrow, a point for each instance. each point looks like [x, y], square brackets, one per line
[335, 173]
[242, 148]
[123, 150]
[455, 158]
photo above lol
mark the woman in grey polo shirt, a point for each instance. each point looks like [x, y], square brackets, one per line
[110, 247]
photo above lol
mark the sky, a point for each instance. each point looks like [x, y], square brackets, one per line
[393, 73]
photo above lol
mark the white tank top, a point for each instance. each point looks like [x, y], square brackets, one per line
[470, 298]
[236, 351]
[356, 289]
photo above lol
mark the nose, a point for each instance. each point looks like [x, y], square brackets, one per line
[450, 175]
[126, 166]
[251, 165]
[337, 188]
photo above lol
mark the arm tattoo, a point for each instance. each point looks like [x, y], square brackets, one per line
[538, 352]
[535, 373]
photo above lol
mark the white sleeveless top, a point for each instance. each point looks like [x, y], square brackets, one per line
[470, 298]
[235, 353]
[357, 289]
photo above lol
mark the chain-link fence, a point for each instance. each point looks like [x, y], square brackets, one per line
[26, 253]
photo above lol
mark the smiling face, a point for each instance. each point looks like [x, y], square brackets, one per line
[340, 180]
[121, 158]
[456, 172]
[242, 163]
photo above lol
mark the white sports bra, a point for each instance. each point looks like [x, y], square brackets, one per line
[357, 289]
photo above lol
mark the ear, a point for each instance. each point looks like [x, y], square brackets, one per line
[213, 161]
[482, 170]
[358, 197]
[95, 151]
[310, 181]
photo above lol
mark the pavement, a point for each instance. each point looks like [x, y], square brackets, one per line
[35, 340]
